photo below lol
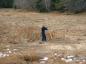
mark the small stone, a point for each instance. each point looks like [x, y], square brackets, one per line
[55, 54]
[9, 52]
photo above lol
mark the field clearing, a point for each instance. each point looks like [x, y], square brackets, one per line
[20, 37]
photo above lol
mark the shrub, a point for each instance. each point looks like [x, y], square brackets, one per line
[57, 5]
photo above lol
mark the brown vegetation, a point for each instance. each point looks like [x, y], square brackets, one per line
[21, 30]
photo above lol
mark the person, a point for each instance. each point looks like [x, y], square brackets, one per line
[43, 29]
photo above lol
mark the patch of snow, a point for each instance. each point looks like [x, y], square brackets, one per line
[9, 51]
[72, 58]
[55, 54]
[14, 49]
[3, 55]
[63, 59]
[44, 59]
[68, 60]
[84, 60]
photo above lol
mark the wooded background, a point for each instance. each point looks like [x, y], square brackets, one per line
[46, 5]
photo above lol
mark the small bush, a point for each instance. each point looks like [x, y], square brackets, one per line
[57, 5]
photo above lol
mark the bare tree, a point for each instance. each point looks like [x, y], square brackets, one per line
[47, 4]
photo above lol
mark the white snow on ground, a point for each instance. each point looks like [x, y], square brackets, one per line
[72, 58]
[7, 53]
[43, 60]
[3, 54]
[66, 60]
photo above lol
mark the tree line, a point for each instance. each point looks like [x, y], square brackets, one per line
[6, 3]
[46, 5]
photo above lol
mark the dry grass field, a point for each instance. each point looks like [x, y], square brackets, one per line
[20, 38]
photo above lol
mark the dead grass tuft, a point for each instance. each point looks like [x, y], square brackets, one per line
[13, 59]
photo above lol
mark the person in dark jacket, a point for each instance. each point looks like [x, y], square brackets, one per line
[43, 29]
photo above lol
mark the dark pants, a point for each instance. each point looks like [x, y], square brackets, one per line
[43, 37]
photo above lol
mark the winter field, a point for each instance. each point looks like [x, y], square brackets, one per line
[20, 39]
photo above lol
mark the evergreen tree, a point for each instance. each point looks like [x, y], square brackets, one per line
[6, 3]
[75, 5]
